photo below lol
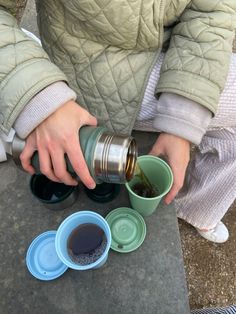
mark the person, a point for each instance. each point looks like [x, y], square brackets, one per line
[219, 310]
[149, 65]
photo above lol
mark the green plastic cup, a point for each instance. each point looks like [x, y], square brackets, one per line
[159, 175]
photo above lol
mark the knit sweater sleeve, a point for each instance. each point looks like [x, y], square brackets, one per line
[41, 106]
[182, 117]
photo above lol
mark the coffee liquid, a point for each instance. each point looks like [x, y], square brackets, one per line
[86, 243]
[53, 191]
[143, 187]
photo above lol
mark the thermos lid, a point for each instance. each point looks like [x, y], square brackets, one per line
[104, 192]
[42, 260]
[128, 229]
[54, 195]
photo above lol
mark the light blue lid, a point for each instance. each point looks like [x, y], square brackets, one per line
[41, 258]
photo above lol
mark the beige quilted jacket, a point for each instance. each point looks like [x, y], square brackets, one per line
[105, 50]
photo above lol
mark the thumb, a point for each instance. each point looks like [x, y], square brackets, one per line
[91, 120]
[157, 150]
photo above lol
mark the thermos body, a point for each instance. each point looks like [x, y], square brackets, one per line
[110, 157]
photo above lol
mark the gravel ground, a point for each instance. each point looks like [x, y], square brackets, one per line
[210, 268]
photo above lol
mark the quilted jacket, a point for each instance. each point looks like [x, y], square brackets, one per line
[105, 50]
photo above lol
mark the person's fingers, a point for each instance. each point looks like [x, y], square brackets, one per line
[176, 152]
[90, 120]
[178, 181]
[156, 150]
[83, 116]
[25, 157]
[59, 167]
[46, 164]
[79, 115]
[27, 153]
[56, 137]
[78, 163]
[172, 193]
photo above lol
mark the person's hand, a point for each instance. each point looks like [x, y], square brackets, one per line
[176, 151]
[53, 138]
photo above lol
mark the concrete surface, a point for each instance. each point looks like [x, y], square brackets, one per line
[29, 20]
[149, 280]
[210, 268]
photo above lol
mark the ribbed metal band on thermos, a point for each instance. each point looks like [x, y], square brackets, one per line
[110, 158]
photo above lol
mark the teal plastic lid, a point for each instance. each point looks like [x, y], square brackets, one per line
[42, 259]
[103, 192]
[128, 229]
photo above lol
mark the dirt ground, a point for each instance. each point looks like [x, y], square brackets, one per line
[210, 268]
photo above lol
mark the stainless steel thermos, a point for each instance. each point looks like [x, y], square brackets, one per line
[110, 157]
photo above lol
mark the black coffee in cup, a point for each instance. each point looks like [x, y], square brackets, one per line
[142, 185]
[141, 189]
[86, 243]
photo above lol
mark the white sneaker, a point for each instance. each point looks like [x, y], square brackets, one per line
[219, 234]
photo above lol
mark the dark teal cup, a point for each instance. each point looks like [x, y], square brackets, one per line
[53, 195]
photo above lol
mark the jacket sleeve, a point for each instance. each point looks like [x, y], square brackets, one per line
[25, 68]
[197, 60]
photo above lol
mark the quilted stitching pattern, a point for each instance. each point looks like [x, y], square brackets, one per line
[107, 65]
[21, 75]
[200, 49]
[108, 80]
[104, 22]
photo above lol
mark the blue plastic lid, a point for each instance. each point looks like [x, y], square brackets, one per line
[42, 259]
